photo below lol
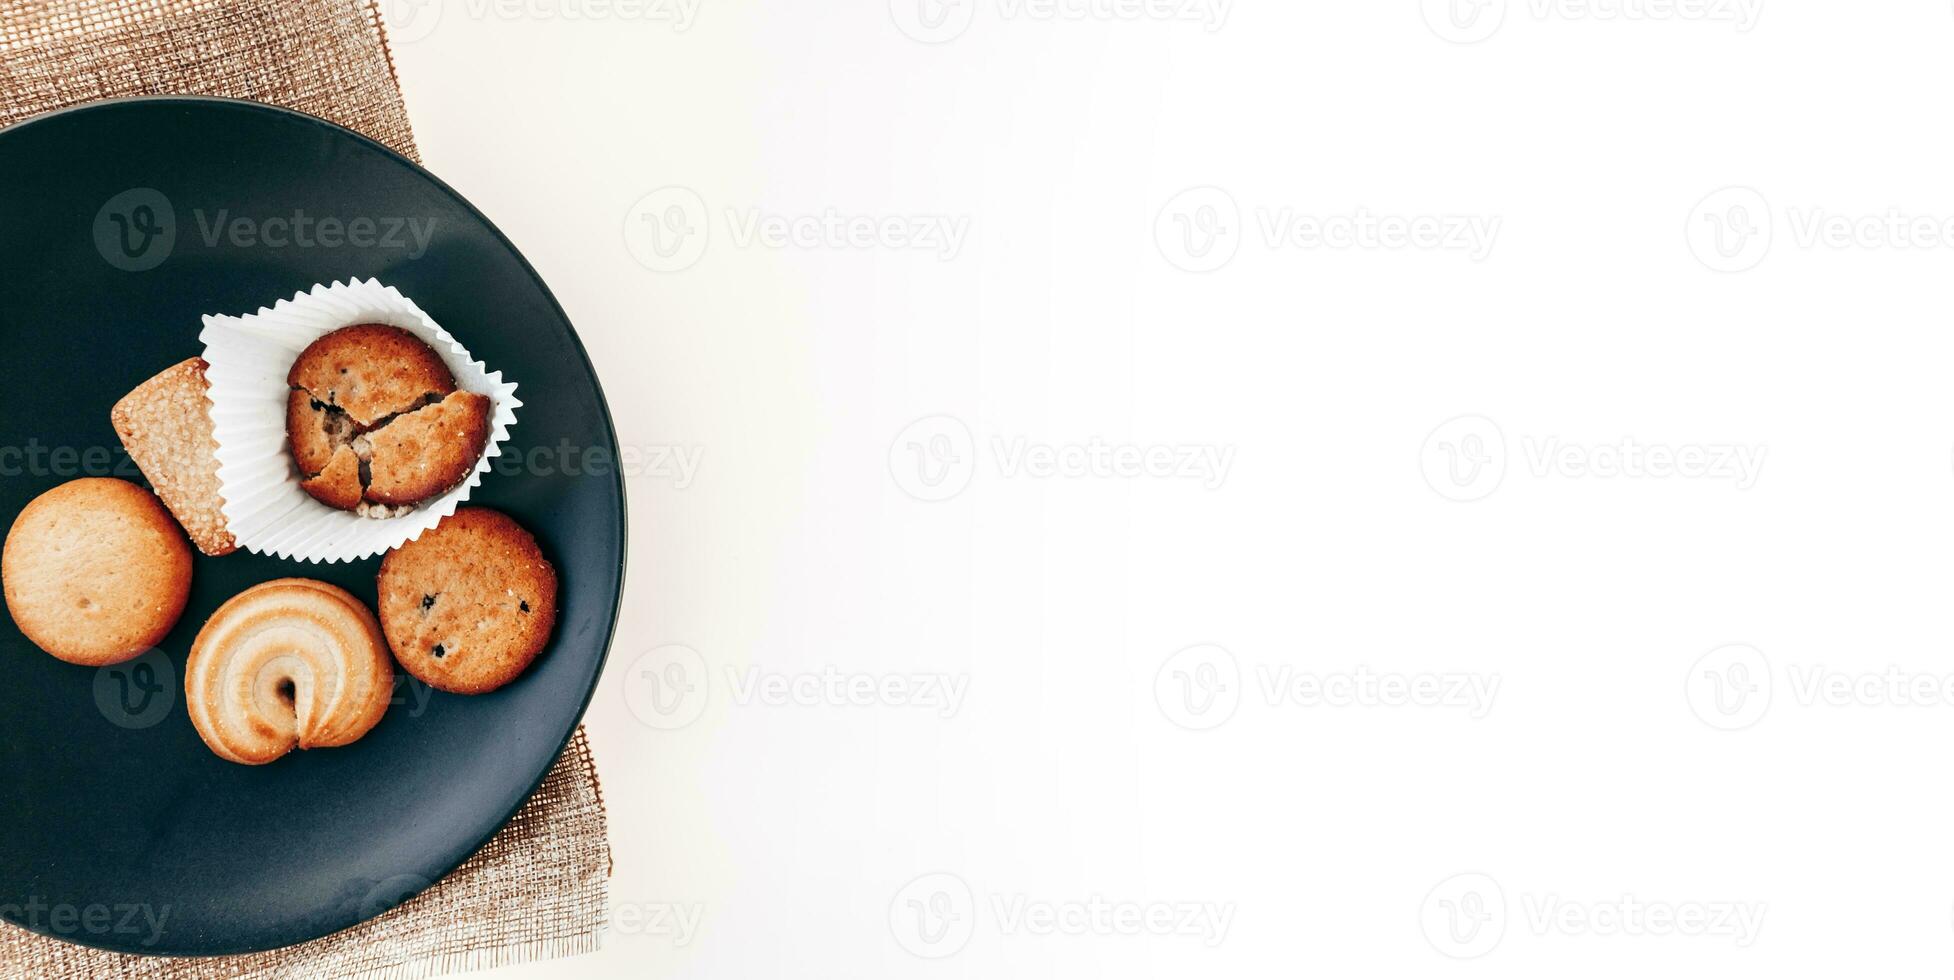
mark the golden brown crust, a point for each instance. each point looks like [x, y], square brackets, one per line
[306, 426]
[95, 572]
[371, 371]
[292, 663]
[421, 454]
[338, 485]
[165, 426]
[468, 606]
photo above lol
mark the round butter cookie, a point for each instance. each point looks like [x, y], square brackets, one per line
[95, 571]
[470, 604]
[292, 663]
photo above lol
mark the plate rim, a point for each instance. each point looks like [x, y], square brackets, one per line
[623, 538]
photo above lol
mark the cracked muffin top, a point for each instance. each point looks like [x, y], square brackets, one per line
[377, 424]
[371, 371]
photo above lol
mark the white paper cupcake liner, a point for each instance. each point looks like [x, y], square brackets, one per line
[250, 357]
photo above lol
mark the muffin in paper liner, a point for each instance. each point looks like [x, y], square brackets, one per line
[250, 357]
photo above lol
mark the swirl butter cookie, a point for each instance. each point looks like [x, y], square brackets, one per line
[291, 663]
[470, 604]
[95, 572]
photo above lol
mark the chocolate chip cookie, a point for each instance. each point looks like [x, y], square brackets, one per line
[470, 604]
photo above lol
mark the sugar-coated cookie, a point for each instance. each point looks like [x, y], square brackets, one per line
[95, 571]
[470, 604]
[165, 425]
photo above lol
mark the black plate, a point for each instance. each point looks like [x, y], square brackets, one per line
[118, 828]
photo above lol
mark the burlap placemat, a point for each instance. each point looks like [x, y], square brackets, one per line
[325, 57]
[539, 889]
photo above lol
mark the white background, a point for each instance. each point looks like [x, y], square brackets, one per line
[1591, 542]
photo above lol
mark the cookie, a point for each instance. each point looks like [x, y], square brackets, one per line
[95, 572]
[381, 395]
[470, 604]
[165, 426]
[289, 664]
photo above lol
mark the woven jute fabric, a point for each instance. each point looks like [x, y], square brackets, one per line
[328, 58]
[539, 889]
